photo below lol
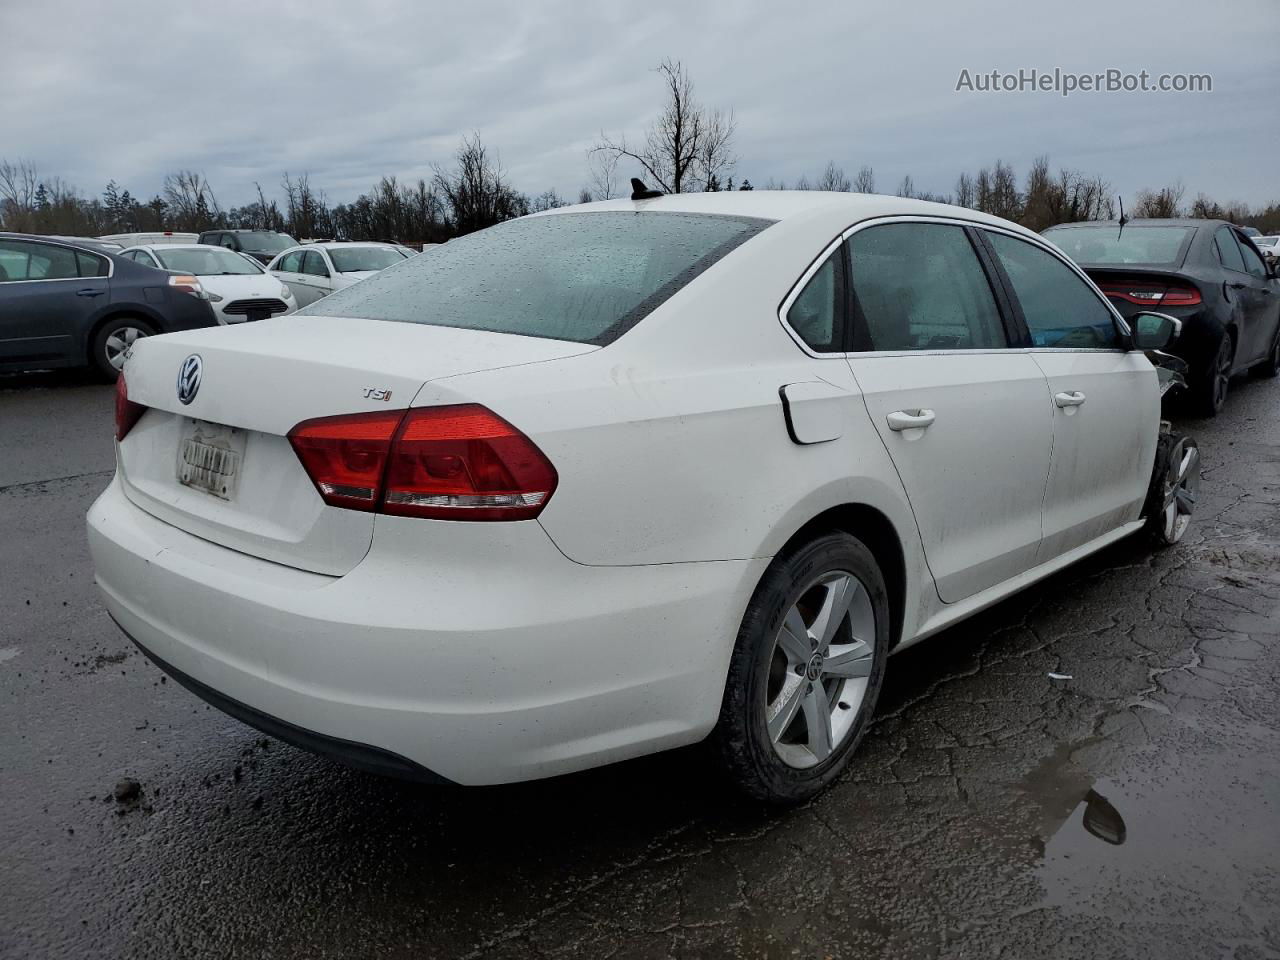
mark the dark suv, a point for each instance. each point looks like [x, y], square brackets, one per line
[262, 245]
[66, 305]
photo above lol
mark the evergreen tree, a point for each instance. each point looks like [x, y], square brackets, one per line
[746, 185]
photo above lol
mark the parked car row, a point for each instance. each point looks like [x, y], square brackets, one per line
[623, 476]
[160, 283]
[1207, 273]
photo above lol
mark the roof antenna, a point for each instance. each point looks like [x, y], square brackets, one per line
[640, 192]
[1123, 218]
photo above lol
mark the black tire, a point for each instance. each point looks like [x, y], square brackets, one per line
[741, 735]
[103, 348]
[1270, 367]
[1209, 389]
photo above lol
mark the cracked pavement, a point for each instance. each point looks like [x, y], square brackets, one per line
[980, 819]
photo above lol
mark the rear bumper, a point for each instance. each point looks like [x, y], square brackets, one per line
[472, 652]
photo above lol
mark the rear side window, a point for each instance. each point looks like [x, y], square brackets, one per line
[1228, 251]
[91, 266]
[816, 315]
[1060, 309]
[920, 286]
[582, 277]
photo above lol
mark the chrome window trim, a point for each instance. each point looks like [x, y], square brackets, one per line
[111, 266]
[793, 295]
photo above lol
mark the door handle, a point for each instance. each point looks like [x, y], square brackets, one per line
[901, 420]
[1069, 399]
[89, 292]
[1238, 286]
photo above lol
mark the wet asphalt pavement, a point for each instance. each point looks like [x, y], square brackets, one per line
[1130, 811]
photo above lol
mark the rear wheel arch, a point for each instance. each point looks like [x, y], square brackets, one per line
[878, 533]
[117, 312]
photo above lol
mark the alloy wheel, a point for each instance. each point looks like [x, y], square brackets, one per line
[819, 667]
[118, 344]
[1181, 490]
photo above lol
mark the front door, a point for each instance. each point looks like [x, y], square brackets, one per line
[46, 292]
[964, 417]
[1104, 398]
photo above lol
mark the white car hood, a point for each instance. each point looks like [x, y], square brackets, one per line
[244, 287]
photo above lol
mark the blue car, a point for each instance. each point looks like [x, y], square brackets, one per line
[65, 304]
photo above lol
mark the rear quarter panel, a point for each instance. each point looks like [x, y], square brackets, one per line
[671, 444]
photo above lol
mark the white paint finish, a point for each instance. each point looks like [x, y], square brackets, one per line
[1103, 444]
[490, 658]
[816, 410]
[504, 651]
[975, 474]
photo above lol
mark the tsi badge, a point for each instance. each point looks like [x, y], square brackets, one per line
[372, 393]
[189, 378]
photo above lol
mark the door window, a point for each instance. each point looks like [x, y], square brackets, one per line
[1061, 310]
[920, 286]
[1228, 250]
[313, 264]
[817, 314]
[1252, 262]
[292, 262]
[37, 261]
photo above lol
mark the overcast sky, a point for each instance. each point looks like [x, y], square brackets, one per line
[347, 92]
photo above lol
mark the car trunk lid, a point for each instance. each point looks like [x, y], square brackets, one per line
[221, 466]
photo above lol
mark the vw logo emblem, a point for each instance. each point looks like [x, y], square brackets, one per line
[189, 378]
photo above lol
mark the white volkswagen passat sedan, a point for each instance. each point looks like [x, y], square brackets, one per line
[238, 287]
[619, 477]
[315, 270]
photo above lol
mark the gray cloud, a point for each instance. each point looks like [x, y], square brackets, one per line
[348, 92]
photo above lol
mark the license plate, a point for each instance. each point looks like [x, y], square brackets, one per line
[256, 315]
[210, 457]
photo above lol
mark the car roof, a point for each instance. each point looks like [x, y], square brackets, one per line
[1140, 222]
[87, 244]
[164, 247]
[785, 204]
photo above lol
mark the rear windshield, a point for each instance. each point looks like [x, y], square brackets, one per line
[265, 242]
[584, 277]
[358, 259]
[1107, 244]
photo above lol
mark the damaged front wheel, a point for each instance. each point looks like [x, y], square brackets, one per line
[1175, 487]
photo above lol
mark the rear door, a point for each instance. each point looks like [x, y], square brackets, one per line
[962, 412]
[1260, 305]
[47, 293]
[1105, 399]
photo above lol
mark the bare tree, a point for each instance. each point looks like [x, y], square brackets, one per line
[833, 178]
[604, 173]
[1162, 203]
[907, 188]
[476, 190]
[687, 148]
[547, 200]
[865, 181]
[966, 193]
[192, 205]
[19, 180]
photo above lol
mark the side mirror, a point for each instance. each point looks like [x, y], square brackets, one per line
[1154, 331]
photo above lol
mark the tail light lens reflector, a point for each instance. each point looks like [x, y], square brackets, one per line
[458, 462]
[128, 413]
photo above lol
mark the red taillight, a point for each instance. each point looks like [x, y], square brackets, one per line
[345, 457]
[128, 413]
[1145, 295]
[459, 462]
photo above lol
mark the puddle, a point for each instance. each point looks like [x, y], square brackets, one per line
[8, 653]
[1168, 840]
